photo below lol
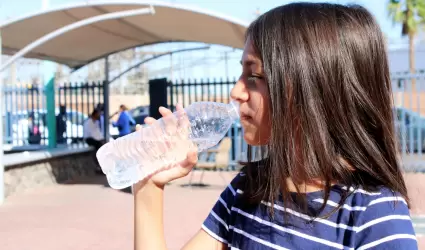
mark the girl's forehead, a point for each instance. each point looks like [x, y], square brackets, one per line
[250, 58]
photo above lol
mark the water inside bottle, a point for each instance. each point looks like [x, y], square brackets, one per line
[165, 154]
[153, 149]
[121, 176]
[208, 142]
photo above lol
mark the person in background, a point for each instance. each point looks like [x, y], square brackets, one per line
[125, 122]
[93, 136]
[61, 125]
[34, 133]
[101, 121]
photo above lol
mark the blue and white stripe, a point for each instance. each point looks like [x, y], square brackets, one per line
[367, 220]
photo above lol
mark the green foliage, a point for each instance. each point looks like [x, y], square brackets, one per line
[409, 13]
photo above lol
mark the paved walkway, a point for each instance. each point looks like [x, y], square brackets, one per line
[419, 224]
[92, 216]
[89, 215]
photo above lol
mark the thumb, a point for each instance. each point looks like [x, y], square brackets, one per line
[191, 159]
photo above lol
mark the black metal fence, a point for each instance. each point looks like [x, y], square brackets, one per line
[409, 108]
[25, 112]
[187, 92]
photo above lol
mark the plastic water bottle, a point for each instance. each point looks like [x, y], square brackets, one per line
[167, 141]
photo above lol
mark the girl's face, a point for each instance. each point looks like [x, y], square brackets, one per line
[252, 93]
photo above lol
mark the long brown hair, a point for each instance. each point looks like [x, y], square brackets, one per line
[331, 101]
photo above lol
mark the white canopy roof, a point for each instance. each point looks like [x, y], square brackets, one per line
[76, 48]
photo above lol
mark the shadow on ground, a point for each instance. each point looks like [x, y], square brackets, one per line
[199, 185]
[99, 179]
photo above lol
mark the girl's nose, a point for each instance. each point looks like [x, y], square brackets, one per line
[239, 92]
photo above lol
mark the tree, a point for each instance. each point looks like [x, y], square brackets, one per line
[411, 15]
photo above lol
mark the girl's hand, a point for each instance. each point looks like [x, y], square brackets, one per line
[175, 171]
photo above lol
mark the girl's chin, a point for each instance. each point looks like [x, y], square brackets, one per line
[255, 135]
[253, 140]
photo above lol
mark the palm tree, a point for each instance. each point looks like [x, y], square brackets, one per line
[411, 14]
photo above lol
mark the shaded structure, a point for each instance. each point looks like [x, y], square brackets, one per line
[77, 34]
[76, 48]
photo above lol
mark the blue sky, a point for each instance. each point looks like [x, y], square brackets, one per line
[243, 9]
[207, 63]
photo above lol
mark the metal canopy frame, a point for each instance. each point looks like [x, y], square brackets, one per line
[153, 58]
[235, 24]
[46, 38]
[73, 26]
[79, 24]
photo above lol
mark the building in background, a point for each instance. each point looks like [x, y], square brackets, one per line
[399, 58]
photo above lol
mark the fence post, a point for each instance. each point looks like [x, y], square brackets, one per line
[157, 96]
[106, 101]
[2, 191]
[49, 90]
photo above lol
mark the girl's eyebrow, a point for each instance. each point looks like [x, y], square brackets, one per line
[247, 62]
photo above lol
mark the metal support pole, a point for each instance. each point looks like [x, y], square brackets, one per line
[106, 101]
[171, 69]
[2, 191]
[49, 90]
[226, 59]
[73, 26]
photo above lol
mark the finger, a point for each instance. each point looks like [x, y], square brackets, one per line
[149, 137]
[183, 121]
[170, 125]
[138, 127]
[184, 167]
[192, 158]
[164, 111]
[149, 120]
[159, 136]
[169, 122]
[190, 161]
[179, 106]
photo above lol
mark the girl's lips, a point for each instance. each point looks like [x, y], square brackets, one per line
[245, 117]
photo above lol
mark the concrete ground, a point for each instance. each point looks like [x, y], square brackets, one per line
[89, 215]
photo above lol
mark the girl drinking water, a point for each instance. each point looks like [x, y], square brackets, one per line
[315, 91]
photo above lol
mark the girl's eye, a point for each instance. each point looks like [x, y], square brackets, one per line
[252, 81]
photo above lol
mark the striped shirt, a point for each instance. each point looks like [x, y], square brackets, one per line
[379, 220]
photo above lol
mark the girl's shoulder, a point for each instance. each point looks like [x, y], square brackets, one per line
[381, 219]
[380, 200]
[365, 208]
[356, 218]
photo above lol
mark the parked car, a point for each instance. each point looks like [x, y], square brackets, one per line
[410, 128]
[139, 114]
